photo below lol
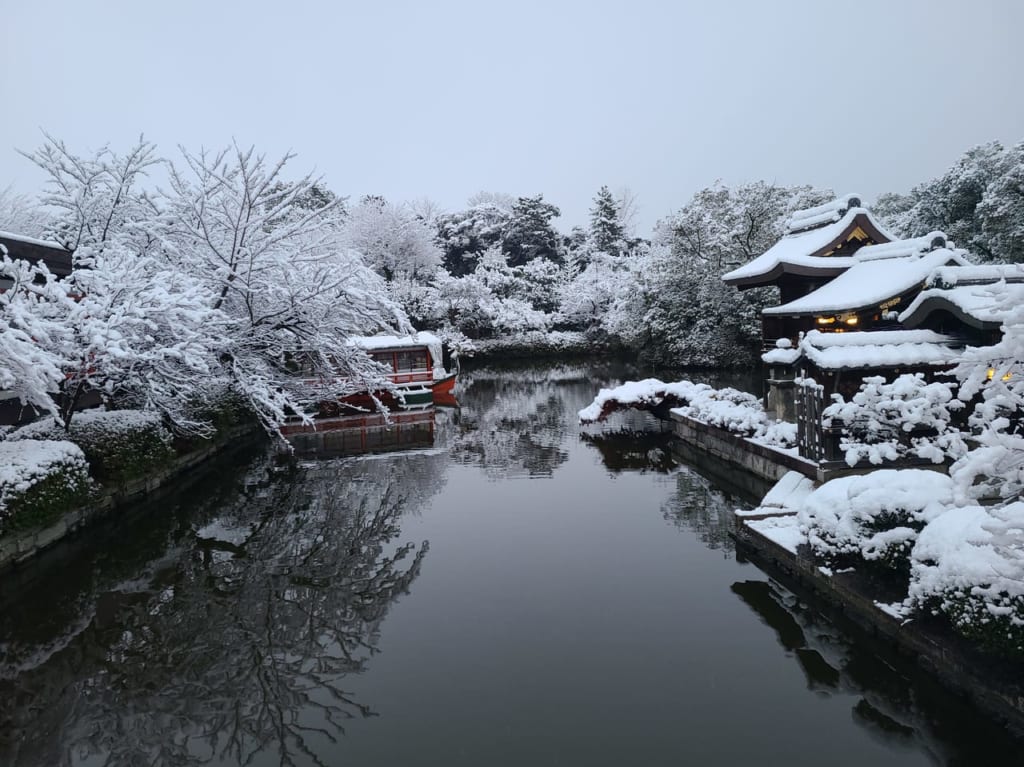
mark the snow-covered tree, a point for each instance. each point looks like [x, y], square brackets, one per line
[142, 334]
[393, 240]
[465, 235]
[993, 378]
[98, 198]
[32, 328]
[887, 421]
[21, 214]
[495, 298]
[978, 202]
[683, 314]
[607, 234]
[280, 274]
[529, 233]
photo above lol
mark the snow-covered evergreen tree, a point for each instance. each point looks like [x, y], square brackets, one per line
[978, 202]
[464, 236]
[683, 314]
[606, 231]
[529, 233]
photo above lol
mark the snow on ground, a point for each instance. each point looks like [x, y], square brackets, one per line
[787, 496]
[784, 531]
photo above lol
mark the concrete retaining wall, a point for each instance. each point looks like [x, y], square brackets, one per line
[765, 462]
[19, 547]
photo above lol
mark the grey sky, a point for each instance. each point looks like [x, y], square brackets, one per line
[444, 99]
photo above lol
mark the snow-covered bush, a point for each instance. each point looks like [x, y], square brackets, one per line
[119, 445]
[888, 421]
[993, 376]
[968, 564]
[726, 408]
[39, 481]
[873, 518]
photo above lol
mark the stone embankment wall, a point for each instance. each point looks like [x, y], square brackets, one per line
[996, 687]
[766, 462]
[20, 547]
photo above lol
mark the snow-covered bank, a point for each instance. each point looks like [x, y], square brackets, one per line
[903, 528]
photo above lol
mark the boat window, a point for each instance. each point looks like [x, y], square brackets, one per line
[415, 359]
[384, 358]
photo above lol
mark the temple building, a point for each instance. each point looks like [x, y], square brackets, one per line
[819, 244]
[857, 302]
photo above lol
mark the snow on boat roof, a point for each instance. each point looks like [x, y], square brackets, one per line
[31, 240]
[374, 343]
[878, 349]
[796, 249]
[980, 306]
[869, 282]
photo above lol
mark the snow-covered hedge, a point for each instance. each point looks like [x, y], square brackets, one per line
[968, 564]
[726, 408]
[39, 481]
[536, 343]
[119, 445]
[875, 517]
[908, 417]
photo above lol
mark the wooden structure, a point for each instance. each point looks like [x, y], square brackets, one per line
[881, 281]
[819, 245]
[57, 259]
[18, 247]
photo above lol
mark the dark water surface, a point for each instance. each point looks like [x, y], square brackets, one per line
[514, 593]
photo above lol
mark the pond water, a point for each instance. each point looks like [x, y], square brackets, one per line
[505, 590]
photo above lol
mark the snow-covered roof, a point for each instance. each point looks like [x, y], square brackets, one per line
[800, 252]
[877, 349]
[913, 246]
[31, 240]
[832, 211]
[980, 306]
[376, 343]
[872, 280]
[981, 274]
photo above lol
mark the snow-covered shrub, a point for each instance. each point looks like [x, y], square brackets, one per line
[726, 408]
[968, 564]
[889, 421]
[119, 445]
[993, 376]
[39, 481]
[873, 518]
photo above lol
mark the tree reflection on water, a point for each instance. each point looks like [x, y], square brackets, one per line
[233, 640]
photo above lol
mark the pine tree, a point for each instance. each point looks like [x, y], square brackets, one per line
[606, 230]
[530, 234]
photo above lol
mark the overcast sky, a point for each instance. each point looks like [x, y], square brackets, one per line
[443, 99]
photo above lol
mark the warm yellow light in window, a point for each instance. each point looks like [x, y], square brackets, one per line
[851, 320]
[825, 320]
[992, 373]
